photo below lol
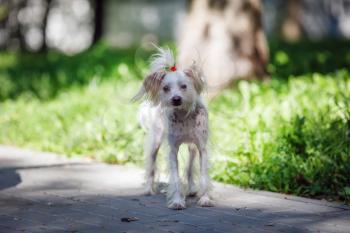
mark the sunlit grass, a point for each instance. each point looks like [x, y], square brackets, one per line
[285, 136]
[96, 121]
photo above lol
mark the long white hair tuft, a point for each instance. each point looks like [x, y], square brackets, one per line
[162, 60]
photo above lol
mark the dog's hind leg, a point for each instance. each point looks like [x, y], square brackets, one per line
[192, 191]
[205, 184]
[152, 146]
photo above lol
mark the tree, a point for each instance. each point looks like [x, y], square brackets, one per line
[99, 20]
[44, 25]
[227, 37]
[11, 25]
[15, 30]
[291, 28]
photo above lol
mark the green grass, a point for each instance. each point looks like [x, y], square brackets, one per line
[292, 137]
[290, 134]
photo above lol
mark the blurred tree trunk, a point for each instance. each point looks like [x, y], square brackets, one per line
[43, 47]
[291, 28]
[99, 20]
[227, 38]
[15, 37]
[4, 8]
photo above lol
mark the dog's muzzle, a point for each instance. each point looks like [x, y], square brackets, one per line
[176, 101]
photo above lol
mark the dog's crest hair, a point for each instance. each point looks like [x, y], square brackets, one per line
[162, 60]
[160, 65]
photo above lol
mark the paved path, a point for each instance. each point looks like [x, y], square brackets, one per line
[41, 192]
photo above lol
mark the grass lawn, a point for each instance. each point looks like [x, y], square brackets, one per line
[290, 134]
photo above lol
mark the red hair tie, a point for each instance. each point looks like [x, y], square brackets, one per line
[173, 68]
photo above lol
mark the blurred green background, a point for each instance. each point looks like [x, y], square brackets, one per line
[289, 133]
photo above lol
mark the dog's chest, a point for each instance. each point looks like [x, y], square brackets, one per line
[189, 128]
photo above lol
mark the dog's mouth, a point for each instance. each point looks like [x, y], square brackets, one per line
[177, 103]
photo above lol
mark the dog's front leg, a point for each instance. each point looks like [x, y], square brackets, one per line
[151, 150]
[204, 184]
[175, 199]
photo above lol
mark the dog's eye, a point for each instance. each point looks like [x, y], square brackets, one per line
[183, 86]
[166, 88]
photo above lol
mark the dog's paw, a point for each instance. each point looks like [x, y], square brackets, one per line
[205, 201]
[177, 205]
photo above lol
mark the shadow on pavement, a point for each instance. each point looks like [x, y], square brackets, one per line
[96, 211]
[97, 198]
[10, 177]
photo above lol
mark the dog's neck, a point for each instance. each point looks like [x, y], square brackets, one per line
[181, 114]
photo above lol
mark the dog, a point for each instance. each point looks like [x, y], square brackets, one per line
[174, 109]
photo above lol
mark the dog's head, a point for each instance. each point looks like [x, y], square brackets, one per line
[170, 86]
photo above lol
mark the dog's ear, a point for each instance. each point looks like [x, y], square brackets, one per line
[195, 73]
[150, 87]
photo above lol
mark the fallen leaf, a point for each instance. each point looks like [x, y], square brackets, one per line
[129, 219]
[169, 220]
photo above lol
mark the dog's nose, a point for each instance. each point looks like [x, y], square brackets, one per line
[176, 101]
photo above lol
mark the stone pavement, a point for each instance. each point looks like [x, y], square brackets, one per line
[42, 192]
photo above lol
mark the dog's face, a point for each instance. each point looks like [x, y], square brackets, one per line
[169, 86]
[178, 89]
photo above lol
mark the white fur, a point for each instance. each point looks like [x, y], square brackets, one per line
[185, 123]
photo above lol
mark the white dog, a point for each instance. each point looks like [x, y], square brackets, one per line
[174, 109]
